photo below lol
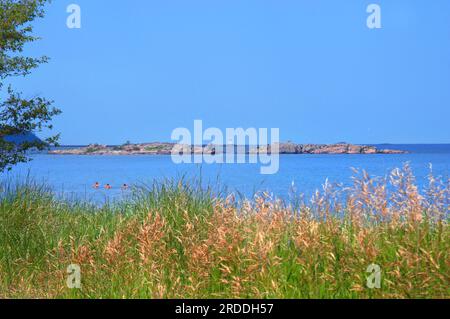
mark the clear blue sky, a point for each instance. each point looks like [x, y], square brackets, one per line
[138, 69]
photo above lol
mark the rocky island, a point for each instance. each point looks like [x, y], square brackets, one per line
[159, 148]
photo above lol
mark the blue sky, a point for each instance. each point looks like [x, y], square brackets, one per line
[138, 69]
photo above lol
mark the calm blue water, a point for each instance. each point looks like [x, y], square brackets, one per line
[74, 175]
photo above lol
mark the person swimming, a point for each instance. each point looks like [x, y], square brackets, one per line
[124, 187]
[96, 185]
[107, 186]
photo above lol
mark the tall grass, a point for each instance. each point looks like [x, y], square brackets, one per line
[177, 240]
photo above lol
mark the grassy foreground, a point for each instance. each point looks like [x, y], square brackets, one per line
[177, 241]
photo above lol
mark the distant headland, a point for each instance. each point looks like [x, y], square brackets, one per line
[160, 148]
[22, 138]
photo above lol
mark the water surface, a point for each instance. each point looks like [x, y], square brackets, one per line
[74, 176]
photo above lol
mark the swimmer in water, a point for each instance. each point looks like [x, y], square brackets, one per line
[107, 186]
[96, 185]
[124, 187]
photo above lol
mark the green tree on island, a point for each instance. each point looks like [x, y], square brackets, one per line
[18, 114]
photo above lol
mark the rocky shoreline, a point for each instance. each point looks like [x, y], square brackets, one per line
[158, 148]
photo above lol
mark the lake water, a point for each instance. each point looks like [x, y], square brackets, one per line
[75, 175]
